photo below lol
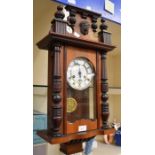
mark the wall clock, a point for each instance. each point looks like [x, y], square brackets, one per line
[77, 79]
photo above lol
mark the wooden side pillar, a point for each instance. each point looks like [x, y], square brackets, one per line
[55, 113]
[56, 93]
[104, 89]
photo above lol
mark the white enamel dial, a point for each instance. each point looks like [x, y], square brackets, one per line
[80, 74]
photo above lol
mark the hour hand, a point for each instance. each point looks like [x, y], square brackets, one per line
[89, 76]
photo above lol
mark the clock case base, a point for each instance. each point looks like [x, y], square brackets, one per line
[72, 143]
[76, 137]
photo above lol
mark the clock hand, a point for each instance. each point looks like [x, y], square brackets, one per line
[91, 75]
[86, 78]
[79, 72]
[73, 76]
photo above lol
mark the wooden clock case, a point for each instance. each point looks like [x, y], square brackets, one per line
[63, 46]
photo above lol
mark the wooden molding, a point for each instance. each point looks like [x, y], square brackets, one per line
[76, 136]
[83, 12]
[47, 42]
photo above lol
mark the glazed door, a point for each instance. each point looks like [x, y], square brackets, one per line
[80, 90]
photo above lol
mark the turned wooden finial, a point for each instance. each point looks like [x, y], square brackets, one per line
[59, 14]
[103, 26]
[94, 25]
[71, 18]
[58, 24]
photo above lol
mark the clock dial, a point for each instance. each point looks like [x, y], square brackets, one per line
[80, 73]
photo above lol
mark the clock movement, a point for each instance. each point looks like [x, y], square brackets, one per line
[77, 79]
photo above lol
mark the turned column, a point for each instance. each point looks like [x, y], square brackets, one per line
[55, 98]
[56, 93]
[104, 37]
[104, 89]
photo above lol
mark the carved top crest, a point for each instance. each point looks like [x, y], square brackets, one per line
[81, 24]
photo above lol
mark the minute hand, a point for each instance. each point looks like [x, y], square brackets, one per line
[79, 72]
